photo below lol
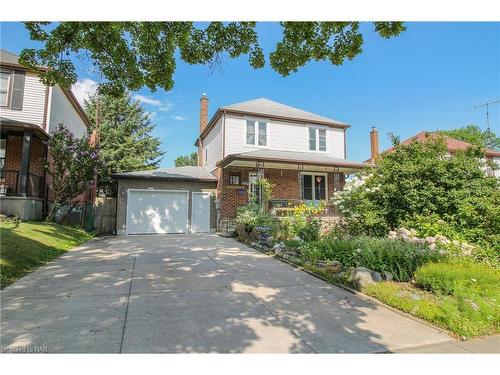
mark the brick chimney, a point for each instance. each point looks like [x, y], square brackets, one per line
[203, 125]
[374, 144]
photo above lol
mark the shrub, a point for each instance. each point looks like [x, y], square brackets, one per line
[300, 221]
[399, 258]
[310, 231]
[459, 278]
[418, 185]
[251, 216]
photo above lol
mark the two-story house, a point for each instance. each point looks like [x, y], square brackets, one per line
[29, 110]
[301, 153]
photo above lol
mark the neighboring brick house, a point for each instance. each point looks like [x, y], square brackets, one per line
[29, 110]
[453, 145]
[301, 153]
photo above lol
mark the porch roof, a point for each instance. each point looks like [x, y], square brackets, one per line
[277, 157]
[10, 125]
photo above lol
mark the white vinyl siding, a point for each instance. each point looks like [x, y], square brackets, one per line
[281, 135]
[63, 112]
[213, 146]
[33, 102]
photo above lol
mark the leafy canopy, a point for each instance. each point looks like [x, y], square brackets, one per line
[130, 55]
[474, 135]
[187, 160]
[419, 185]
[125, 139]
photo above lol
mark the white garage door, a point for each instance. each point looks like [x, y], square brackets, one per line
[157, 211]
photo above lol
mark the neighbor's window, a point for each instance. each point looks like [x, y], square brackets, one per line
[317, 139]
[256, 133]
[4, 87]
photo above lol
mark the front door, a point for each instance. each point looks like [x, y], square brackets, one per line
[313, 187]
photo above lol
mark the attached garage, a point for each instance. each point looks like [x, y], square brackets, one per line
[171, 200]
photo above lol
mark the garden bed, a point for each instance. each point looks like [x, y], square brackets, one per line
[470, 311]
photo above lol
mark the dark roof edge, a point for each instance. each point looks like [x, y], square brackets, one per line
[232, 157]
[164, 178]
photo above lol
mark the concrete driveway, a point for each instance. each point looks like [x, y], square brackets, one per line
[196, 293]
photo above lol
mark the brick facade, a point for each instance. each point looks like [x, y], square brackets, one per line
[286, 186]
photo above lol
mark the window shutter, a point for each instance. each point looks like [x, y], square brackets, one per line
[17, 90]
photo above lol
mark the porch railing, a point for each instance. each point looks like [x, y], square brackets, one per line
[281, 207]
[9, 184]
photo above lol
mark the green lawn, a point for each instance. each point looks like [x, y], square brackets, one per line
[27, 245]
[465, 316]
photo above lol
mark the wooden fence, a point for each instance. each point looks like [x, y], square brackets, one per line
[105, 215]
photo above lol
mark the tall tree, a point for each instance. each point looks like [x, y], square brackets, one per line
[125, 139]
[187, 160]
[130, 55]
[474, 135]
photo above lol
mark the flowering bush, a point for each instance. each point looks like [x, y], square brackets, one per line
[74, 163]
[418, 185]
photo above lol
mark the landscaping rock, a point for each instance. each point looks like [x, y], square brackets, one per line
[387, 276]
[334, 267]
[279, 248]
[361, 277]
[297, 238]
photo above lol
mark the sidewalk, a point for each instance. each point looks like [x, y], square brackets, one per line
[484, 345]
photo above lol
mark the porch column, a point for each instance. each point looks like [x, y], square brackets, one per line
[22, 187]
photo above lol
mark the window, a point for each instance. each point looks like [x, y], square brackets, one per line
[4, 87]
[322, 139]
[312, 139]
[262, 133]
[250, 132]
[256, 133]
[313, 187]
[234, 179]
[253, 187]
[206, 156]
[317, 139]
[3, 145]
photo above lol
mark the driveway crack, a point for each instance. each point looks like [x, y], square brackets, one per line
[128, 302]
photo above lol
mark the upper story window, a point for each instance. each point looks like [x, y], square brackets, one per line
[12, 88]
[256, 133]
[317, 139]
[4, 87]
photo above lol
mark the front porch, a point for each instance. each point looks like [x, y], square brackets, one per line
[296, 178]
[23, 155]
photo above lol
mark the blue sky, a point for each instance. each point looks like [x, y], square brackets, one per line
[425, 79]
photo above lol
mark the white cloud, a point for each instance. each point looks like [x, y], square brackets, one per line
[166, 107]
[83, 89]
[147, 100]
[178, 117]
